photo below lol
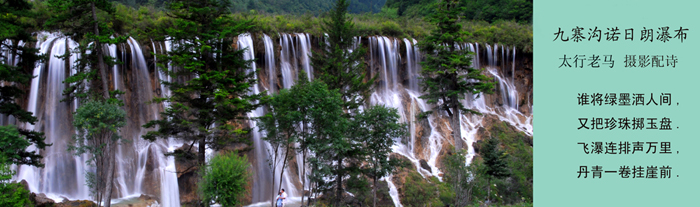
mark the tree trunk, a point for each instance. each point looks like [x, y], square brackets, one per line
[202, 158]
[284, 164]
[303, 162]
[303, 176]
[110, 172]
[98, 179]
[273, 167]
[488, 190]
[100, 59]
[374, 191]
[339, 183]
[456, 126]
[202, 152]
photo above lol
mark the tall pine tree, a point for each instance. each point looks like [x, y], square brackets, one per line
[447, 73]
[331, 147]
[376, 127]
[341, 68]
[16, 66]
[78, 19]
[211, 81]
[495, 161]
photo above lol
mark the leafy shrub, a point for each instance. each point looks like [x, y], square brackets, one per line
[225, 180]
[391, 28]
[420, 192]
[11, 194]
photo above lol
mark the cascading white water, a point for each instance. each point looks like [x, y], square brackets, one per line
[469, 124]
[170, 193]
[261, 184]
[63, 174]
[141, 164]
[412, 66]
[31, 174]
[382, 55]
[261, 191]
[287, 60]
[151, 163]
[390, 97]
[512, 77]
[304, 41]
[270, 63]
[393, 192]
[509, 94]
[412, 85]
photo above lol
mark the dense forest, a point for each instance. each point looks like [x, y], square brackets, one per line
[487, 10]
[506, 22]
[280, 6]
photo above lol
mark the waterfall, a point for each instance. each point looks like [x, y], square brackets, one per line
[123, 187]
[142, 167]
[412, 66]
[31, 174]
[305, 54]
[262, 177]
[512, 77]
[170, 194]
[270, 63]
[393, 192]
[261, 190]
[287, 60]
[507, 90]
[63, 173]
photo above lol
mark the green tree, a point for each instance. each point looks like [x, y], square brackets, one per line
[495, 161]
[14, 146]
[328, 141]
[314, 7]
[11, 194]
[97, 125]
[494, 10]
[337, 66]
[342, 70]
[461, 177]
[447, 73]
[518, 186]
[290, 120]
[359, 186]
[214, 91]
[282, 125]
[411, 8]
[304, 92]
[79, 20]
[376, 127]
[225, 180]
[16, 71]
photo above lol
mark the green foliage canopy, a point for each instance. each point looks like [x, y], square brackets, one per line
[337, 66]
[16, 71]
[97, 124]
[211, 87]
[11, 194]
[447, 75]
